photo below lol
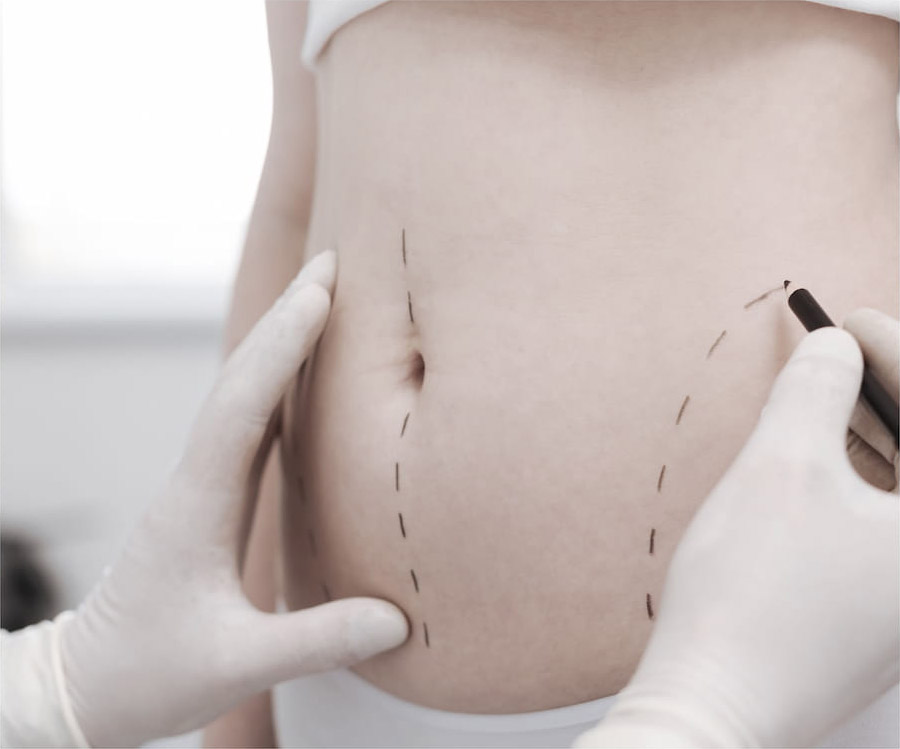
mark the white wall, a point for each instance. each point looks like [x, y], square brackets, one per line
[131, 138]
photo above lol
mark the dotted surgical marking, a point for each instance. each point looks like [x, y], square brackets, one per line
[326, 592]
[312, 542]
[684, 403]
[762, 296]
[412, 320]
[715, 344]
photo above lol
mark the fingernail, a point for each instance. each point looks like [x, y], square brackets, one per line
[373, 630]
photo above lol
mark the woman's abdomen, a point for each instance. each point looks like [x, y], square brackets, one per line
[562, 231]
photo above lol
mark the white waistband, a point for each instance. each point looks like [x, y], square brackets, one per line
[557, 717]
[340, 709]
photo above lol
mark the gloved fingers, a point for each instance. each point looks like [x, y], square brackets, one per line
[869, 463]
[869, 428]
[278, 647]
[233, 421]
[251, 490]
[897, 473]
[815, 393]
[878, 335]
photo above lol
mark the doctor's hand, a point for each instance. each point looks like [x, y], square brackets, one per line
[778, 620]
[167, 641]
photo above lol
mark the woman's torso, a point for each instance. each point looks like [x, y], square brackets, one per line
[566, 209]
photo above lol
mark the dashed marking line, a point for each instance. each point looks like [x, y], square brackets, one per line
[763, 296]
[662, 473]
[684, 403]
[326, 592]
[715, 344]
[649, 607]
[412, 320]
[652, 538]
[312, 543]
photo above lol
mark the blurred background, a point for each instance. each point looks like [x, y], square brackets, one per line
[132, 136]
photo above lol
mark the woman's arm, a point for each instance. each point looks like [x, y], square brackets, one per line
[272, 255]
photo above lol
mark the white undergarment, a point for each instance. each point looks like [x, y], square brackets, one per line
[340, 709]
[324, 17]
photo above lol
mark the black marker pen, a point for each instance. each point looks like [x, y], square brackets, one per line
[808, 311]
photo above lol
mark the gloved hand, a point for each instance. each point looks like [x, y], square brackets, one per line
[871, 447]
[167, 641]
[779, 617]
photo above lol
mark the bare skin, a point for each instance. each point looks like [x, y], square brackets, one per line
[590, 193]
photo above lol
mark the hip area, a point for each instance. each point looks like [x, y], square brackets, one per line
[562, 232]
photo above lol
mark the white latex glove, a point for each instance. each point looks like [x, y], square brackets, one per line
[167, 641]
[872, 449]
[779, 617]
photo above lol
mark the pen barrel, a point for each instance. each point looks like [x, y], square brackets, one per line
[808, 310]
[882, 403]
[813, 317]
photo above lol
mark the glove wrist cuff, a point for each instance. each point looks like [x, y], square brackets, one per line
[59, 677]
[35, 709]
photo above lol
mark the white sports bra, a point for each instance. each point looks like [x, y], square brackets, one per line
[324, 17]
